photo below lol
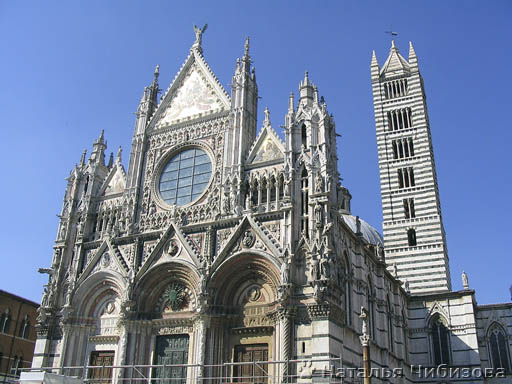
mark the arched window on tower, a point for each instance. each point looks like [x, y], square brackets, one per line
[411, 237]
[440, 336]
[498, 347]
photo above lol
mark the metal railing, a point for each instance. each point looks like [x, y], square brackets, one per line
[256, 372]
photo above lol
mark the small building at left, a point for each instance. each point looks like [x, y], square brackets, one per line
[17, 335]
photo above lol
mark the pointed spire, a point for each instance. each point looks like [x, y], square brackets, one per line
[98, 150]
[118, 157]
[374, 59]
[393, 46]
[315, 94]
[374, 66]
[306, 87]
[306, 79]
[111, 160]
[82, 159]
[413, 59]
[246, 48]
[291, 103]
[101, 138]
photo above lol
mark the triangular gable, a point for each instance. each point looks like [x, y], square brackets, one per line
[267, 147]
[395, 62]
[115, 257]
[247, 223]
[194, 92]
[115, 182]
[157, 251]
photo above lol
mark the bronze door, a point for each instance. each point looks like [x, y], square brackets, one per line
[104, 360]
[250, 371]
[172, 352]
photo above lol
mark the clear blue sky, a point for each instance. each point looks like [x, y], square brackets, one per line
[72, 68]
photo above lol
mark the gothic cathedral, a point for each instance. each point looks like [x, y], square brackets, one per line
[222, 245]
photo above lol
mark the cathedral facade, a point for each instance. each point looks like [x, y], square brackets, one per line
[223, 245]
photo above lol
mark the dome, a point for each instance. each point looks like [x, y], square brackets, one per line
[370, 234]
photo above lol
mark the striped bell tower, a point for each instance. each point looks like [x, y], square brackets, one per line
[414, 237]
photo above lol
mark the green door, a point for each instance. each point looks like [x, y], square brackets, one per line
[171, 351]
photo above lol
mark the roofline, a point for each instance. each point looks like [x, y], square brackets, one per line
[446, 294]
[27, 301]
[498, 305]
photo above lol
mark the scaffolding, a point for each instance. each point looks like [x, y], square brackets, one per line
[255, 372]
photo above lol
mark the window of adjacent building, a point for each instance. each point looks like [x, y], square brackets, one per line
[406, 177]
[403, 148]
[399, 119]
[17, 364]
[409, 211]
[24, 328]
[440, 341]
[5, 321]
[395, 88]
[498, 348]
[411, 237]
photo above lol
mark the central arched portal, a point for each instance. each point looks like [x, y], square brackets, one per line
[243, 315]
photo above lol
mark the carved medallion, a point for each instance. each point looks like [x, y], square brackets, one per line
[248, 240]
[173, 248]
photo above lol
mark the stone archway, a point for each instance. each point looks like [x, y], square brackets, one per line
[245, 303]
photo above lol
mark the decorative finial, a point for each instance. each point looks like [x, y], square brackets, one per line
[199, 35]
[393, 44]
[465, 282]
[306, 78]
[246, 47]
[111, 160]
[291, 102]
[82, 159]
[157, 71]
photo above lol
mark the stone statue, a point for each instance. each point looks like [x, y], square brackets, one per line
[465, 282]
[287, 187]
[314, 270]
[319, 183]
[285, 272]
[199, 34]
[324, 268]
[395, 271]
[318, 214]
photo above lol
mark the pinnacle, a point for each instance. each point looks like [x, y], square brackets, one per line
[246, 47]
[374, 59]
[412, 52]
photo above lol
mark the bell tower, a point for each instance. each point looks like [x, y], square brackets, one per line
[414, 237]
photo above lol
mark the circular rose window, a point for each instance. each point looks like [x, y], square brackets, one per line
[185, 177]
